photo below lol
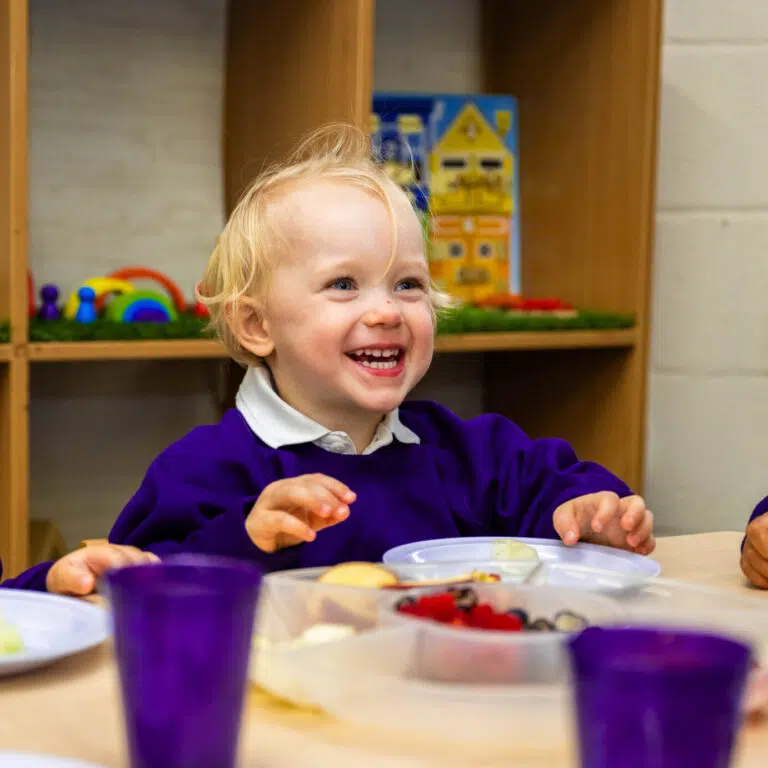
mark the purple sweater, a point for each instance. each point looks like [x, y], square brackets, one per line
[760, 509]
[478, 477]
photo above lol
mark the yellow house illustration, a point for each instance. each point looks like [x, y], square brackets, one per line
[470, 168]
[469, 255]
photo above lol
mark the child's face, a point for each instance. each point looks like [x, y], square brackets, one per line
[332, 297]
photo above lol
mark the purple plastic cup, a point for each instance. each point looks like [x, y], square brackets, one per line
[182, 636]
[657, 698]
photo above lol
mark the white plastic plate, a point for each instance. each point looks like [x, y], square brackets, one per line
[484, 548]
[33, 760]
[51, 628]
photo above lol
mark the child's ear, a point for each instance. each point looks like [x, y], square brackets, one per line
[247, 321]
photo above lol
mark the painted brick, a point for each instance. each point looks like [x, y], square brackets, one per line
[716, 20]
[709, 296]
[714, 123]
[707, 451]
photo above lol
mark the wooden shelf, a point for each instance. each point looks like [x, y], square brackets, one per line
[6, 352]
[74, 351]
[177, 349]
[532, 340]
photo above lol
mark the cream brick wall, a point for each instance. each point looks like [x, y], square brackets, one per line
[125, 168]
[707, 447]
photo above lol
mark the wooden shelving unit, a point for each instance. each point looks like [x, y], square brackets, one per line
[50, 352]
[587, 77]
[73, 351]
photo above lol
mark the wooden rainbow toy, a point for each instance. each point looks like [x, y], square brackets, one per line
[117, 299]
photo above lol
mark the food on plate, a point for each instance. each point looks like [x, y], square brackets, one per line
[506, 549]
[377, 576]
[460, 607]
[359, 575]
[317, 633]
[462, 578]
[325, 633]
[10, 639]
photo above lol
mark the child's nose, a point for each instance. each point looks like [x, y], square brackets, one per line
[385, 313]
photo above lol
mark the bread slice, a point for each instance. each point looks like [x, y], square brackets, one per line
[356, 574]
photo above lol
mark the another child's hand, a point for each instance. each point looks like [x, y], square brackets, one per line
[604, 518]
[78, 572]
[754, 556]
[293, 510]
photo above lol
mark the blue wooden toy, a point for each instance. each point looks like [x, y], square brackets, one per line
[86, 311]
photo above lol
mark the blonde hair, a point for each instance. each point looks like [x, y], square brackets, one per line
[241, 264]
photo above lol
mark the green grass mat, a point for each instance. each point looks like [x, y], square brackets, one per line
[462, 320]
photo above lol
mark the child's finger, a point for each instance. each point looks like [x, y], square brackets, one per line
[279, 522]
[97, 560]
[565, 523]
[135, 556]
[607, 506]
[326, 503]
[633, 512]
[642, 531]
[757, 565]
[750, 571]
[343, 493]
[757, 535]
[304, 494]
[646, 547]
[337, 516]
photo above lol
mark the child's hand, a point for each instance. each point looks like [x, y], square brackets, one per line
[754, 556]
[604, 518]
[292, 510]
[77, 572]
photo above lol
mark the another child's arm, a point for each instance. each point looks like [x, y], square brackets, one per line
[754, 550]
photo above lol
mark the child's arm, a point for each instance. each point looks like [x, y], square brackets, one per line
[78, 572]
[754, 548]
[33, 578]
[545, 490]
[213, 505]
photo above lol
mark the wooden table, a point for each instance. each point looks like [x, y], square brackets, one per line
[72, 709]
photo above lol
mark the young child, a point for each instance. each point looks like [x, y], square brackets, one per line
[78, 572]
[320, 286]
[754, 548]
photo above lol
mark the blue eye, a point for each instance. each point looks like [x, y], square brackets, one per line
[342, 284]
[410, 284]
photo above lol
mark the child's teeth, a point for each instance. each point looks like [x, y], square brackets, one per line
[382, 364]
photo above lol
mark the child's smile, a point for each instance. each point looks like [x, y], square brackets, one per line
[380, 359]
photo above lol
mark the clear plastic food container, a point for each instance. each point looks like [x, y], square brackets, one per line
[480, 687]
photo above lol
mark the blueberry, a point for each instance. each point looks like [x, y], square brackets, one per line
[465, 597]
[522, 615]
[542, 625]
